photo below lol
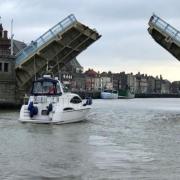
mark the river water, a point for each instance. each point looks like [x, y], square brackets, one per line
[121, 139]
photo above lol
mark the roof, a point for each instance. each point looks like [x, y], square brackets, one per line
[18, 46]
[91, 72]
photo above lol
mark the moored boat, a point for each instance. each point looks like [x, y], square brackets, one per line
[109, 94]
[126, 94]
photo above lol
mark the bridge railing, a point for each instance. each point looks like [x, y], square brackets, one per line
[163, 26]
[35, 45]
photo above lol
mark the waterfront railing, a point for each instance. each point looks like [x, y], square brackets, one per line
[163, 27]
[43, 39]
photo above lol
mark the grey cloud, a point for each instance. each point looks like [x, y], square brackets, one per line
[122, 23]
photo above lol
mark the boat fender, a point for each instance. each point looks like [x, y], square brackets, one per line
[50, 108]
[88, 101]
[33, 110]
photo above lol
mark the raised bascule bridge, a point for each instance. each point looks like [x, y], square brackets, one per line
[165, 35]
[20, 64]
[56, 47]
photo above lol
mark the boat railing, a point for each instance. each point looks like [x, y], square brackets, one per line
[45, 99]
[53, 99]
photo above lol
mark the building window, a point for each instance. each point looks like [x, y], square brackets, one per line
[6, 67]
[0, 66]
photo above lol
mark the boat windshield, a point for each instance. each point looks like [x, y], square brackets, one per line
[46, 88]
[108, 91]
[114, 92]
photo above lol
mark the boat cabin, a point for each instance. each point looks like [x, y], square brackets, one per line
[46, 86]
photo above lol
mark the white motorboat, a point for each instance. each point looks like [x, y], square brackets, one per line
[109, 94]
[49, 104]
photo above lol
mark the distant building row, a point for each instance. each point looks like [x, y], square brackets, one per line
[90, 80]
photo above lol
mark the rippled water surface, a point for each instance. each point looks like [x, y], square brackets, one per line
[121, 139]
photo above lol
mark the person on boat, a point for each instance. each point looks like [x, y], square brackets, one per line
[52, 89]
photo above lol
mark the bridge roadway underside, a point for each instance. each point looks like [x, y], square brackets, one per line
[57, 52]
[165, 41]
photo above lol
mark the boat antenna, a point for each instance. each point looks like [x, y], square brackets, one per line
[12, 35]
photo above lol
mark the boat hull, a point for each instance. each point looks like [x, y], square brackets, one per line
[105, 95]
[58, 117]
[126, 94]
[72, 116]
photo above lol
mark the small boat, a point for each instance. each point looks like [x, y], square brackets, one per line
[49, 104]
[109, 94]
[125, 94]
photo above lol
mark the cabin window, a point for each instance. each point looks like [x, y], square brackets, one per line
[76, 100]
[48, 87]
[108, 91]
[115, 92]
[58, 89]
[0, 66]
[37, 88]
[6, 67]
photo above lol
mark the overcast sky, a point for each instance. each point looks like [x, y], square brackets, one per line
[125, 44]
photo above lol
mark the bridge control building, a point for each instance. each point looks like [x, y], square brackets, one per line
[7, 70]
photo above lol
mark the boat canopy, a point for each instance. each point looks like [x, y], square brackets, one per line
[46, 86]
